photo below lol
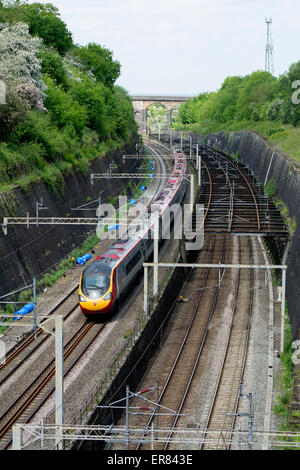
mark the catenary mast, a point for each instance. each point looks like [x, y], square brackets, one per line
[269, 67]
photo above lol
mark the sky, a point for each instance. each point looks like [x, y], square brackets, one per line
[185, 47]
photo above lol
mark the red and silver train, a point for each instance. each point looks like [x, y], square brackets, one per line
[104, 283]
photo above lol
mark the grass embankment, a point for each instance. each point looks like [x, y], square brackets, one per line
[36, 168]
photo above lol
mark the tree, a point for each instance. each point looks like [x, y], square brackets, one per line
[52, 65]
[44, 22]
[289, 84]
[19, 61]
[100, 62]
[92, 96]
[157, 117]
[188, 111]
[21, 72]
[126, 123]
[255, 90]
[12, 113]
[64, 110]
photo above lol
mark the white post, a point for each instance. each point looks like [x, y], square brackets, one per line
[59, 381]
[181, 140]
[192, 192]
[155, 255]
[17, 435]
[145, 290]
[127, 417]
[199, 169]
[282, 310]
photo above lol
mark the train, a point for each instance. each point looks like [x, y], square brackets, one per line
[105, 282]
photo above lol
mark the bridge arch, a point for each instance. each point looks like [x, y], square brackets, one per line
[156, 117]
[141, 104]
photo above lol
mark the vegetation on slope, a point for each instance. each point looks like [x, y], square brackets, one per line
[62, 105]
[258, 102]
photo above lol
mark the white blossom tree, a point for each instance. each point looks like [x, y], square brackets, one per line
[20, 67]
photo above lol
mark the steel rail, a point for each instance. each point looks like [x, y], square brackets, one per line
[250, 314]
[230, 430]
[29, 340]
[228, 159]
[212, 310]
[70, 347]
[183, 343]
[210, 194]
[224, 357]
[49, 375]
[230, 196]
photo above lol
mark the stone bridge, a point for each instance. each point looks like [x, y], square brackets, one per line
[141, 104]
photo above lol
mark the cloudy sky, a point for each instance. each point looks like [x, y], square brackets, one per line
[185, 47]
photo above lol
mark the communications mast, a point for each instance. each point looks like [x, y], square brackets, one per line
[269, 48]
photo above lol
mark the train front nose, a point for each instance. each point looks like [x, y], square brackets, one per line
[96, 306]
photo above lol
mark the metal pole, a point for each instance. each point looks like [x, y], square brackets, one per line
[250, 434]
[42, 433]
[145, 290]
[192, 192]
[155, 256]
[152, 436]
[157, 401]
[282, 310]
[37, 213]
[99, 209]
[59, 381]
[199, 168]
[34, 311]
[17, 437]
[127, 416]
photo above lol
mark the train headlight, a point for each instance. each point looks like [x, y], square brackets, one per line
[81, 298]
[108, 296]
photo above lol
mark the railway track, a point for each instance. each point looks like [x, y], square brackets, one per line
[233, 204]
[238, 204]
[223, 407]
[26, 405]
[183, 361]
[181, 356]
[30, 345]
[36, 391]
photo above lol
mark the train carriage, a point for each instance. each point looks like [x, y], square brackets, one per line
[110, 276]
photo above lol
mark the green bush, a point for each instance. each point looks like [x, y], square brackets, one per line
[80, 113]
[53, 66]
[270, 188]
[64, 110]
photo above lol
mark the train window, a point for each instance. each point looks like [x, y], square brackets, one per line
[149, 243]
[132, 263]
[96, 281]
